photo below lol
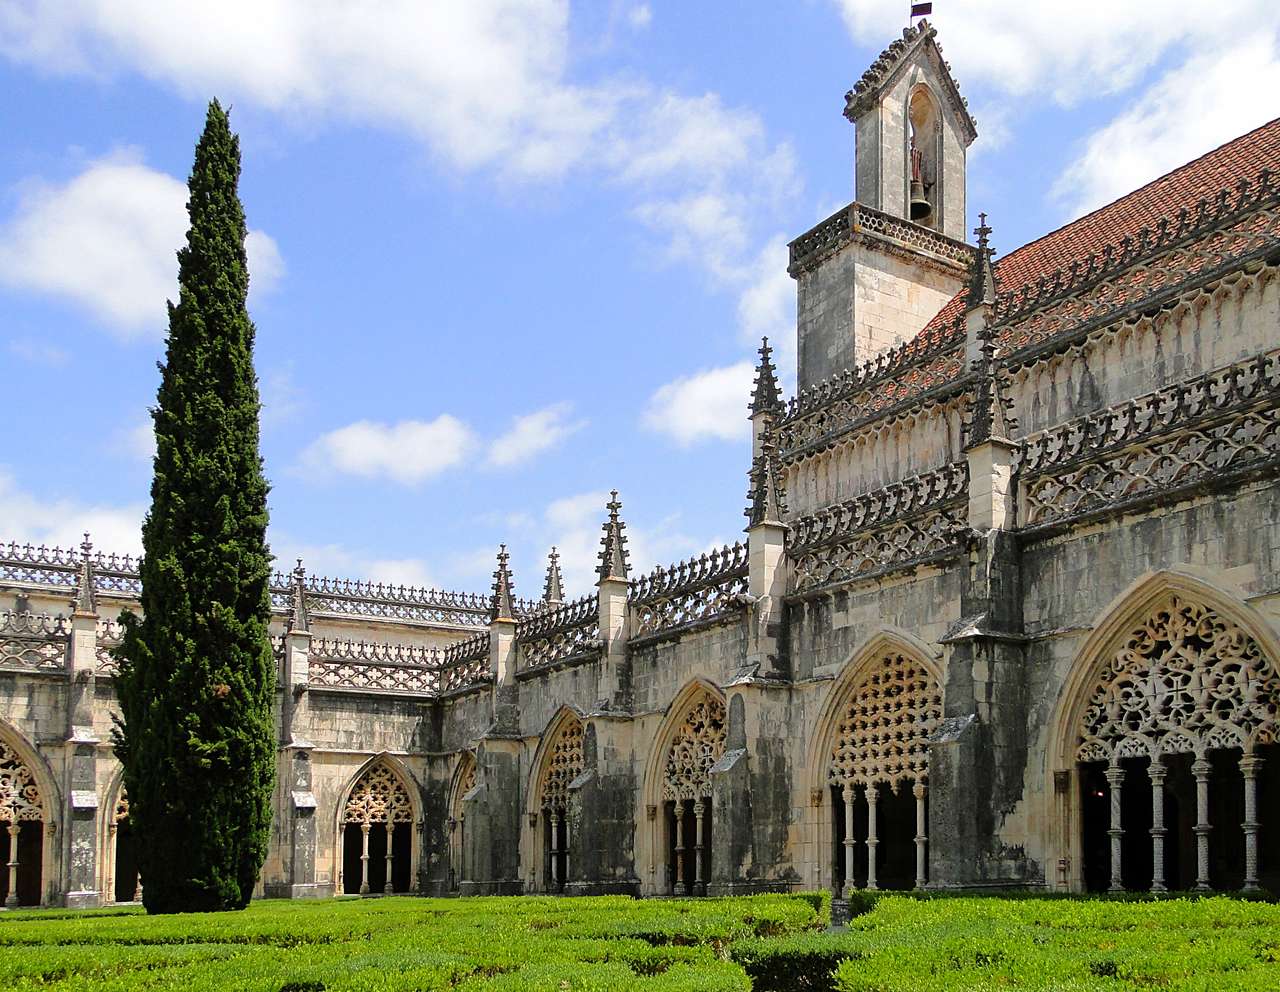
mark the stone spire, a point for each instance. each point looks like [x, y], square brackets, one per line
[500, 607]
[613, 553]
[767, 500]
[989, 415]
[86, 600]
[766, 397]
[299, 618]
[982, 276]
[553, 588]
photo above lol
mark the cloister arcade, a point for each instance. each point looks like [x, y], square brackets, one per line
[696, 744]
[376, 833]
[561, 763]
[1171, 775]
[22, 829]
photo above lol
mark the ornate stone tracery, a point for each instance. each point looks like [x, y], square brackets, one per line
[564, 764]
[885, 727]
[379, 796]
[19, 795]
[697, 745]
[1184, 681]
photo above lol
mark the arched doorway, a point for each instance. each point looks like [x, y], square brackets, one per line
[124, 884]
[561, 765]
[21, 831]
[464, 782]
[696, 745]
[377, 828]
[1171, 743]
[877, 770]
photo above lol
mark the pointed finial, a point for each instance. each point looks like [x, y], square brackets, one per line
[767, 499]
[982, 277]
[500, 607]
[613, 554]
[766, 397]
[553, 588]
[989, 409]
[299, 617]
[86, 599]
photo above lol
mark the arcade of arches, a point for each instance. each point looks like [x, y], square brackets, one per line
[1176, 756]
[21, 831]
[376, 856]
[696, 746]
[563, 765]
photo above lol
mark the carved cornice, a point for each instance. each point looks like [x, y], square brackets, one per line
[858, 223]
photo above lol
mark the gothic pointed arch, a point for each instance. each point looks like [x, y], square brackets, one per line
[882, 707]
[558, 760]
[376, 817]
[464, 780]
[690, 740]
[120, 879]
[1168, 713]
[27, 803]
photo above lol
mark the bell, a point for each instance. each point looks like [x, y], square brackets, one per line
[921, 209]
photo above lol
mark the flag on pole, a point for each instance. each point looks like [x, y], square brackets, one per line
[920, 9]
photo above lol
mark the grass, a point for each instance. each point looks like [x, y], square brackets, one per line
[766, 943]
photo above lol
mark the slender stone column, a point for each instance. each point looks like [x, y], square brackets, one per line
[873, 796]
[1157, 772]
[1115, 781]
[364, 858]
[563, 820]
[553, 826]
[849, 793]
[681, 867]
[12, 899]
[700, 818]
[108, 882]
[1201, 769]
[387, 887]
[1250, 765]
[922, 836]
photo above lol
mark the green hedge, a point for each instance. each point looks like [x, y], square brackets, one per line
[769, 943]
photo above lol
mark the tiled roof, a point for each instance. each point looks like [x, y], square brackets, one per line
[1242, 158]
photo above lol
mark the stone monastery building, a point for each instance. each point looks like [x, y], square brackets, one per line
[1007, 613]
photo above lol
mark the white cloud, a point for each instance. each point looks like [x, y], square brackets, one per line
[532, 434]
[1067, 52]
[39, 352]
[106, 241]
[407, 452]
[137, 442]
[62, 522]
[708, 404]
[1192, 109]
[482, 84]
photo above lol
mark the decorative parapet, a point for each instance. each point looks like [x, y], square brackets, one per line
[868, 391]
[857, 221]
[109, 635]
[33, 642]
[561, 633]
[875, 509]
[696, 592]
[373, 667]
[39, 565]
[466, 663]
[1199, 432]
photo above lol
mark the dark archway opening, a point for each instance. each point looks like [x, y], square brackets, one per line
[896, 830]
[30, 858]
[126, 864]
[401, 850]
[688, 869]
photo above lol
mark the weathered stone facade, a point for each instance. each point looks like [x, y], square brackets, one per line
[1008, 612]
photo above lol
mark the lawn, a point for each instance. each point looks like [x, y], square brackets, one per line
[900, 944]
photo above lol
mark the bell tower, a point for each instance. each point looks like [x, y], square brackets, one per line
[913, 132]
[874, 273]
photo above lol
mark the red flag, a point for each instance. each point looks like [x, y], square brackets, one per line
[920, 9]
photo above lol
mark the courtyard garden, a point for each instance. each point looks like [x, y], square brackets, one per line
[895, 944]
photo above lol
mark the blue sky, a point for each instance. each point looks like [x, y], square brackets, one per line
[509, 255]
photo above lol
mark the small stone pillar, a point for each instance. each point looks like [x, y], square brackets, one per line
[613, 588]
[302, 822]
[80, 838]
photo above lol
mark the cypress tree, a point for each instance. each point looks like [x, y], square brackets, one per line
[196, 676]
